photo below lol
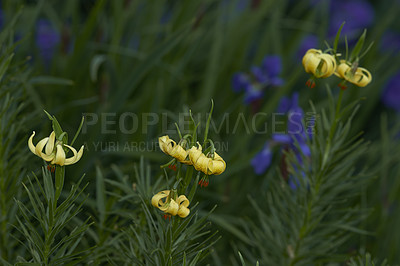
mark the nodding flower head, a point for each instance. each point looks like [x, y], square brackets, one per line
[169, 202]
[170, 147]
[54, 150]
[353, 74]
[319, 64]
[208, 164]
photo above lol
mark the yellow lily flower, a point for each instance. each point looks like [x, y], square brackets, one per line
[169, 146]
[358, 76]
[170, 204]
[183, 203]
[319, 64]
[53, 150]
[205, 164]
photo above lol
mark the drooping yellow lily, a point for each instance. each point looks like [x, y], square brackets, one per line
[319, 64]
[205, 164]
[169, 203]
[169, 146]
[53, 150]
[358, 76]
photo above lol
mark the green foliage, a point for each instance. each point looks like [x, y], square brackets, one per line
[309, 222]
[131, 69]
[56, 239]
[365, 261]
[13, 118]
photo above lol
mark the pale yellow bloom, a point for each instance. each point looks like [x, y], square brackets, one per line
[205, 164]
[170, 204]
[53, 150]
[360, 76]
[319, 64]
[183, 203]
[169, 146]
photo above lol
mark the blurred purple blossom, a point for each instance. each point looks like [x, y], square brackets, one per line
[47, 38]
[259, 78]
[262, 160]
[296, 135]
[358, 15]
[391, 93]
[308, 42]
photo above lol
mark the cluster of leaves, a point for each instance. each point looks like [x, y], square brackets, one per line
[141, 57]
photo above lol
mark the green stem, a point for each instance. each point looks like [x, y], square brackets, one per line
[3, 207]
[167, 164]
[332, 130]
[60, 173]
[304, 229]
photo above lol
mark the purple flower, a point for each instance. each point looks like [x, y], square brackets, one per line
[308, 42]
[259, 78]
[295, 139]
[262, 160]
[287, 103]
[47, 37]
[1, 19]
[391, 93]
[253, 93]
[239, 82]
[357, 14]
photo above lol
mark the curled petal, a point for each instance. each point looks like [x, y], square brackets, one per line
[202, 163]
[183, 201]
[207, 165]
[75, 157]
[173, 208]
[50, 144]
[156, 200]
[195, 153]
[60, 156]
[169, 146]
[163, 142]
[183, 212]
[39, 149]
[217, 165]
[361, 76]
[180, 154]
[319, 64]
[30, 143]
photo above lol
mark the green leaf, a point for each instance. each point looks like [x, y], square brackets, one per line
[95, 66]
[100, 195]
[357, 48]
[49, 80]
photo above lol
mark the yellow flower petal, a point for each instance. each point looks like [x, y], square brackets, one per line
[50, 144]
[217, 165]
[205, 164]
[183, 212]
[76, 157]
[183, 206]
[183, 201]
[30, 143]
[60, 156]
[173, 207]
[39, 148]
[169, 146]
[319, 64]
[361, 76]
[156, 200]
